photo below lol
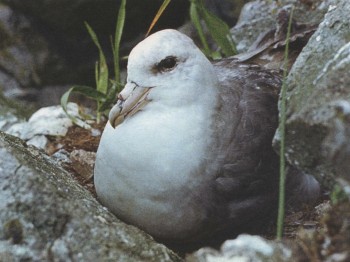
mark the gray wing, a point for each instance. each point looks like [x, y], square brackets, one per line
[243, 195]
[249, 109]
[244, 190]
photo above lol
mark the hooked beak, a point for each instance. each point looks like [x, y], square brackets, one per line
[130, 100]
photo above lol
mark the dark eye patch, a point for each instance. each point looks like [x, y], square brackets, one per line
[166, 64]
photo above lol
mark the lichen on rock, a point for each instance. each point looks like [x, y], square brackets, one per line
[46, 215]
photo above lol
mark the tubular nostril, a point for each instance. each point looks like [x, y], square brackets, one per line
[120, 97]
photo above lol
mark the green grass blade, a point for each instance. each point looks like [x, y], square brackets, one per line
[110, 97]
[87, 91]
[117, 38]
[282, 124]
[218, 29]
[197, 24]
[64, 102]
[158, 15]
[97, 74]
[102, 75]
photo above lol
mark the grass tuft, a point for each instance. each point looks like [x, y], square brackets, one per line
[106, 89]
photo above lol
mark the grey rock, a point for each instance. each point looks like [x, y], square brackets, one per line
[83, 163]
[37, 128]
[317, 80]
[10, 87]
[7, 120]
[62, 157]
[258, 17]
[10, 113]
[24, 52]
[245, 248]
[47, 216]
[27, 60]
[337, 143]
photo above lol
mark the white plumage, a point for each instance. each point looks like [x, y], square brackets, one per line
[145, 165]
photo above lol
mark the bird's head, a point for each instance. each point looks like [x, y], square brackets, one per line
[165, 68]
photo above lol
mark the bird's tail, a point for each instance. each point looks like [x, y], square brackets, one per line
[301, 189]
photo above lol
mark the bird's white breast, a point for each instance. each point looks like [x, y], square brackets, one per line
[146, 168]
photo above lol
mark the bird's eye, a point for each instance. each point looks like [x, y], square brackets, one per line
[167, 64]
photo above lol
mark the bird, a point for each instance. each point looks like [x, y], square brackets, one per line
[187, 152]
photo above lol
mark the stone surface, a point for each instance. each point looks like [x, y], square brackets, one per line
[47, 216]
[318, 79]
[83, 163]
[47, 121]
[337, 143]
[26, 59]
[10, 113]
[259, 16]
[244, 248]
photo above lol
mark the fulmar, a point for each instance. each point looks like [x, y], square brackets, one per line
[186, 154]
